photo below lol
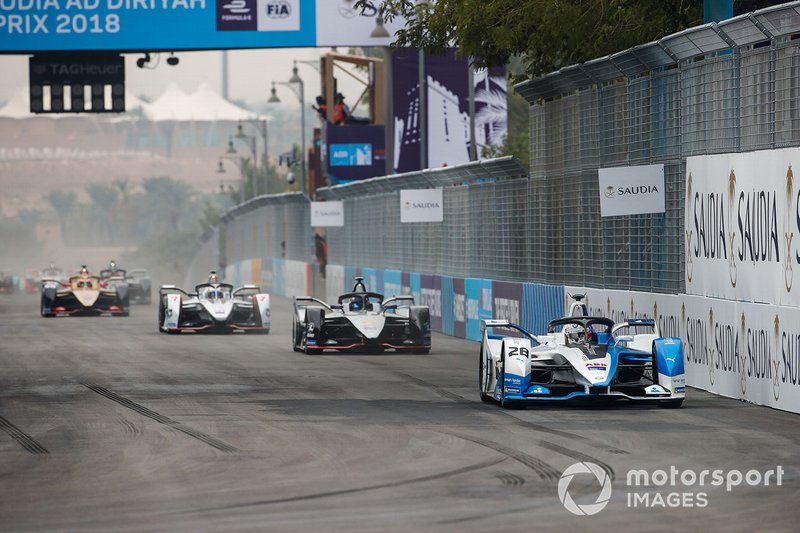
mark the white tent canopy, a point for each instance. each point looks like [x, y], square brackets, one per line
[18, 106]
[204, 104]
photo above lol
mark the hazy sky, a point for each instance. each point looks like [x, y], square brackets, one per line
[251, 73]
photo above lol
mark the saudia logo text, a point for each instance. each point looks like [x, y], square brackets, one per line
[627, 191]
[423, 205]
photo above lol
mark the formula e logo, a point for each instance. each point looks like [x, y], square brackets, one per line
[236, 15]
[278, 9]
[236, 6]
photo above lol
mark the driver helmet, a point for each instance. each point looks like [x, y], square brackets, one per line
[575, 333]
[214, 294]
[356, 304]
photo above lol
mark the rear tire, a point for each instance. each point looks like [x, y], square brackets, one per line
[315, 317]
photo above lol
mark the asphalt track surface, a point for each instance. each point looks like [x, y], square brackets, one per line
[106, 424]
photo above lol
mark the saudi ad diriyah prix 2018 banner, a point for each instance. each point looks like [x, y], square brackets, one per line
[139, 25]
[741, 350]
[742, 227]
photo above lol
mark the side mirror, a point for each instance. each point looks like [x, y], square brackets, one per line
[290, 178]
[336, 306]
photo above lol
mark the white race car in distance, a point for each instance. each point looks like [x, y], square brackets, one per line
[214, 307]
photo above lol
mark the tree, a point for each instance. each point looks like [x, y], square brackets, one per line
[548, 34]
[62, 202]
[166, 200]
[518, 139]
[103, 197]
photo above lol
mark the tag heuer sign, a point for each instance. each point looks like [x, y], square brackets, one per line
[77, 82]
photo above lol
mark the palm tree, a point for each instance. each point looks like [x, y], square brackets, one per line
[62, 202]
[104, 197]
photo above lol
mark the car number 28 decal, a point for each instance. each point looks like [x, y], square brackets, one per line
[518, 350]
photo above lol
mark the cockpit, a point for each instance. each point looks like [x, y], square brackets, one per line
[214, 293]
[358, 302]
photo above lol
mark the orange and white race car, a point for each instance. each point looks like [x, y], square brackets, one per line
[85, 294]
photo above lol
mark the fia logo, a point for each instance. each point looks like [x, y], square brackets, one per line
[278, 9]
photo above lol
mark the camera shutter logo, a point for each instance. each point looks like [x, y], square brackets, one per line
[587, 509]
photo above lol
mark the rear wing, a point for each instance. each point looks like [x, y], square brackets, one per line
[247, 288]
[496, 323]
[172, 289]
[394, 302]
[637, 323]
[301, 302]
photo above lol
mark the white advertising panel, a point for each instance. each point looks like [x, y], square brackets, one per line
[631, 190]
[330, 214]
[421, 205]
[736, 349]
[740, 219]
[340, 24]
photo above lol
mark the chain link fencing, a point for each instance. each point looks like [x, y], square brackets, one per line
[723, 88]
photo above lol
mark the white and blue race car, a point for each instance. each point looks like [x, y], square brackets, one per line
[581, 357]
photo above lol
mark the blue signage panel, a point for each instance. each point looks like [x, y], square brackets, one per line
[351, 155]
[169, 25]
[355, 152]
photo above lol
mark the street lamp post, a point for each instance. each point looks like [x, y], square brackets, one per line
[296, 80]
[262, 130]
[221, 169]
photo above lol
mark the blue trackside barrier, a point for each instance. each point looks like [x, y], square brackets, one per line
[447, 306]
[392, 283]
[540, 304]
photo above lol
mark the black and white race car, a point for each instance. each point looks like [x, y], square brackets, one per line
[214, 307]
[361, 321]
[139, 286]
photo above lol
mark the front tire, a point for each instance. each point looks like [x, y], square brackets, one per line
[486, 398]
[162, 312]
[297, 334]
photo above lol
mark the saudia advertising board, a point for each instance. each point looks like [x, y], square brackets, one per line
[131, 25]
[421, 205]
[742, 227]
[631, 190]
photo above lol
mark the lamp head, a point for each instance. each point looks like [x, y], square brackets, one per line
[273, 98]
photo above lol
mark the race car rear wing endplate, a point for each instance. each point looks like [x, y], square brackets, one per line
[305, 301]
[172, 288]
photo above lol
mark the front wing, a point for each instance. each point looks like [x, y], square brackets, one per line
[338, 333]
